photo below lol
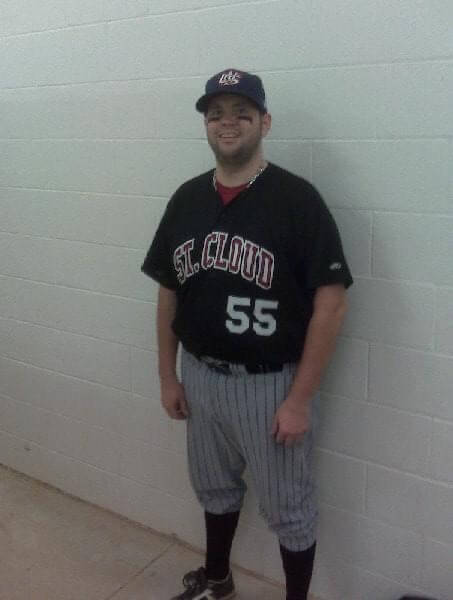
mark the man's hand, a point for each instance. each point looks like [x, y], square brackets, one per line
[173, 398]
[291, 421]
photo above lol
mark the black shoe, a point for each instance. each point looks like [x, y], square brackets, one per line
[198, 587]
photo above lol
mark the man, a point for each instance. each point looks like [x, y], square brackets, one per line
[252, 284]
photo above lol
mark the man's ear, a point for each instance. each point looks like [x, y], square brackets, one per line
[266, 122]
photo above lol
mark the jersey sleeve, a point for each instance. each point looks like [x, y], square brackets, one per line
[158, 261]
[323, 259]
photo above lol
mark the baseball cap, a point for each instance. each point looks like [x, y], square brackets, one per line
[233, 81]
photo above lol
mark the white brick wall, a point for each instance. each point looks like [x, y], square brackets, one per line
[97, 129]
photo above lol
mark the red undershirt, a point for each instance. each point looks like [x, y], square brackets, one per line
[229, 193]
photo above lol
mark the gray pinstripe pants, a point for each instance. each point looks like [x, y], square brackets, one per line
[228, 428]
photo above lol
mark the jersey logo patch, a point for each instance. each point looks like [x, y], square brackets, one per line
[229, 78]
[336, 266]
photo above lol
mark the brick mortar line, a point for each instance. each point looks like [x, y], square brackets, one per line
[95, 467]
[203, 75]
[79, 379]
[32, 236]
[77, 289]
[299, 140]
[147, 16]
[89, 193]
[93, 426]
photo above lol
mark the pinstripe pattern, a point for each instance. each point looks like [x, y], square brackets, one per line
[228, 428]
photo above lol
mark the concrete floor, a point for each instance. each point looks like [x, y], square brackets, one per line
[54, 547]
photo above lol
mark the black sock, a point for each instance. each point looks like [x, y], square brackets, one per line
[298, 567]
[220, 530]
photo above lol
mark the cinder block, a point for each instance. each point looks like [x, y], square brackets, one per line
[414, 100]
[83, 480]
[355, 231]
[56, 57]
[190, 521]
[425, 387]
[117, 167]
[410, 502]
[128, 221]
[24, 421]
[391, 312]
[98, 405]
[147, 422]
[97, 110]
[384, 175]
[93, 445]
[31, 459]
[151, 465]
[38, 17]
[27, 257]
[340, 480]
[358, 18]
[158, 48]
[334, 578]
[347, 372]
[444, 321]
[84, 11]
[322, 103]
[68, 353]
[376, 587]
[100, 316]
[442, 451]
[380, 548]
[145, 378]
[437, 572]
[401, 30]
[41, 16]
[376, 433]
[416, 247]
[106, 269]
[57, 433]
[293, 156]
[389, 32]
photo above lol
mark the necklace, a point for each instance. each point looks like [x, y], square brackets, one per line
[251, 182]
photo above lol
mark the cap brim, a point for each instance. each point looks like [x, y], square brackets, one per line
[202, 103]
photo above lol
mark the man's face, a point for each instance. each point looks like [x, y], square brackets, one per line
[235, 128]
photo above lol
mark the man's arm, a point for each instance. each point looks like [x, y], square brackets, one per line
[172, 392]
[293, 417]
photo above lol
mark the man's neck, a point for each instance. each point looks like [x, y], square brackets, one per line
[233, 176]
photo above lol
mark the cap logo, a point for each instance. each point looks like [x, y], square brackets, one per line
[230, 78]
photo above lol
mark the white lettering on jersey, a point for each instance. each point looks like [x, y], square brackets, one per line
[243, 257]
[266, 269]
[220, 262]
[182, 260]
[206, 260]
[249, 261]
[187, 249]
[236, 250]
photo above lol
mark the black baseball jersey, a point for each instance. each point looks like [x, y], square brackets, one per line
[245, 274]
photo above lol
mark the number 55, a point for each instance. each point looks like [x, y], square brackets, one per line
[263, 323]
